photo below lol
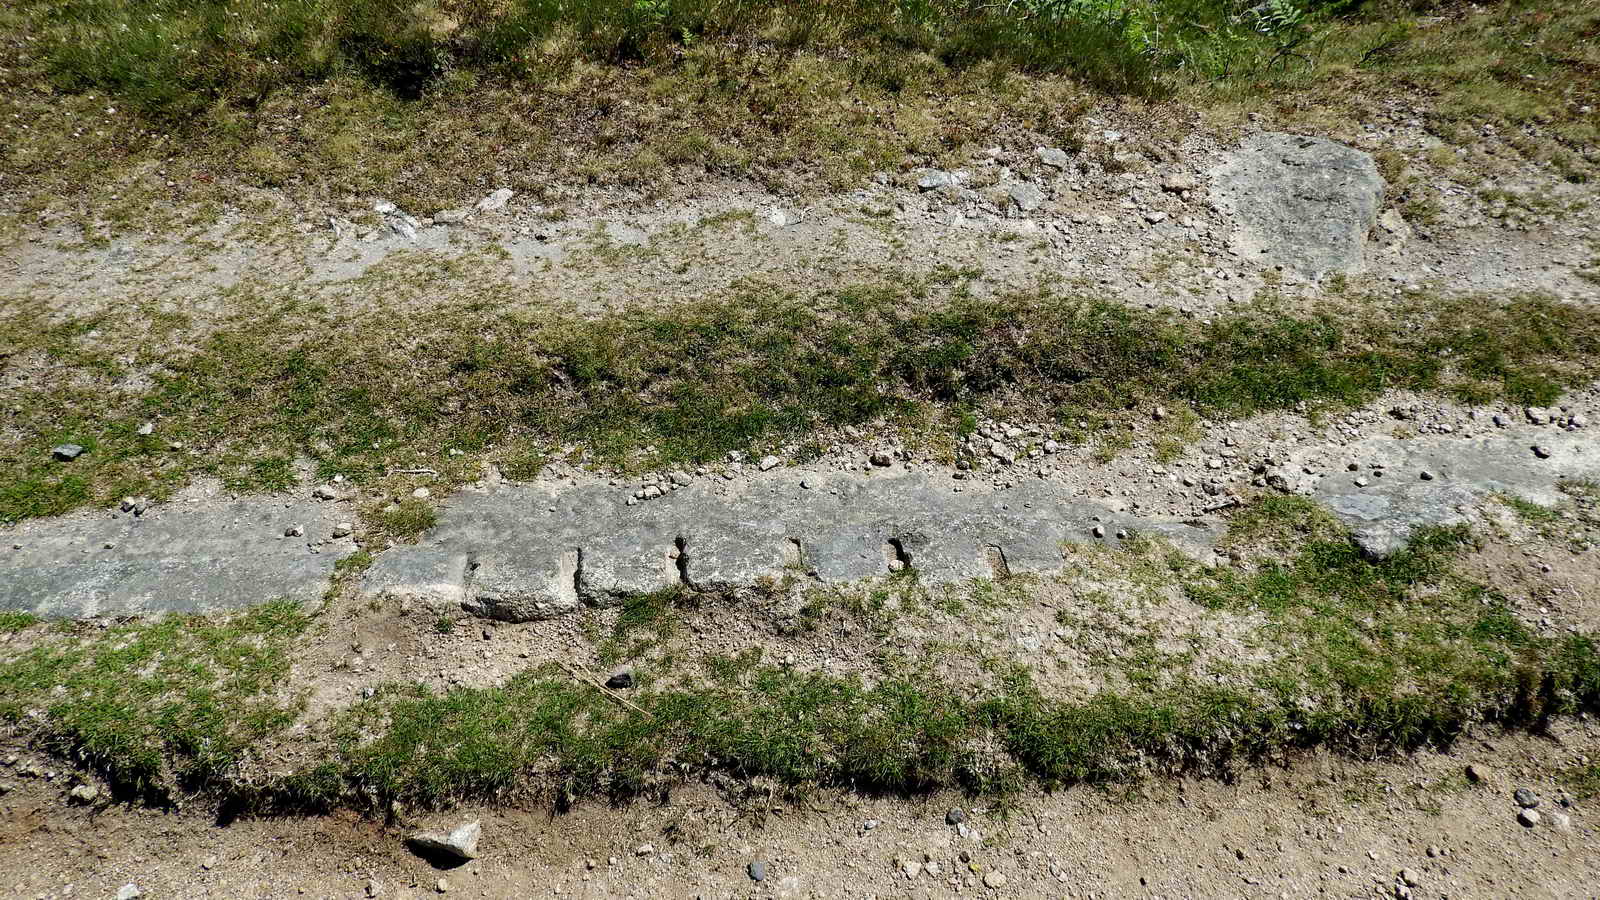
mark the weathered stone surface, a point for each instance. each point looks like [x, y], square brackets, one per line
[429, 576]
[1053, 156]
[530, 563]
[628, 562]
[1179, 182]
[1026, 195]
[522, 587]
[738, 552]
[1300, 202]
[524, 553]
[1386, 512]
[495, 201]
[177, 557]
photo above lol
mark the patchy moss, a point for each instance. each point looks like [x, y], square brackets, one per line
[655, 614]
[1584, 781]
[405, 519]
[545, 734]
[1281, 524]
[17, 621]
[373, 394]
[1529, 512]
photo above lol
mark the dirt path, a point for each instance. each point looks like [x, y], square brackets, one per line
[1122, 231]
[1323, 826]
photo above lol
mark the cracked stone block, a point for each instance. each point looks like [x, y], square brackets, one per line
[941, 552]
[729, 555]
[434, 578]
[616, 565]
[520, 588]
[845, 556]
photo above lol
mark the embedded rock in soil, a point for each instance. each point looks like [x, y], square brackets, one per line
[177, 557]
[1299, 202]
[522, 553]
[1383, 514]
[517, 588]
[461, 843]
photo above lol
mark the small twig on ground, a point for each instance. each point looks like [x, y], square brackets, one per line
[598, 685]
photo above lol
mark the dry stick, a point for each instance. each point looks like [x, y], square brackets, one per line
[595, 683]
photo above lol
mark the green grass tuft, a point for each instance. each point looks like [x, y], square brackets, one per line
[1529, 512]
[173, 705]
[11, 620]
[427, 103]
[1584, 781]
[407, 518]
[546, 734]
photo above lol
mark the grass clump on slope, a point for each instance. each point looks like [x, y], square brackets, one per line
[458, 385]
[160, 709]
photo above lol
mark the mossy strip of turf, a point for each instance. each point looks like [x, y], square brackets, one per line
[466, 383]
[161, 708]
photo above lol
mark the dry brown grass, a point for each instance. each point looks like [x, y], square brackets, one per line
[795, 121]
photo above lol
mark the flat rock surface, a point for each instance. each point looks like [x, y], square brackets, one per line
[531, 552]
[1396, 501]
[1300, 202]
[178, 557]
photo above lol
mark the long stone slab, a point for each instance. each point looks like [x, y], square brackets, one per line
[535, 552]
[532, 552]
[177, 557]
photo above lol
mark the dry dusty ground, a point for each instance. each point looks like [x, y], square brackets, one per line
[1495, 223]
[1320, 826]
